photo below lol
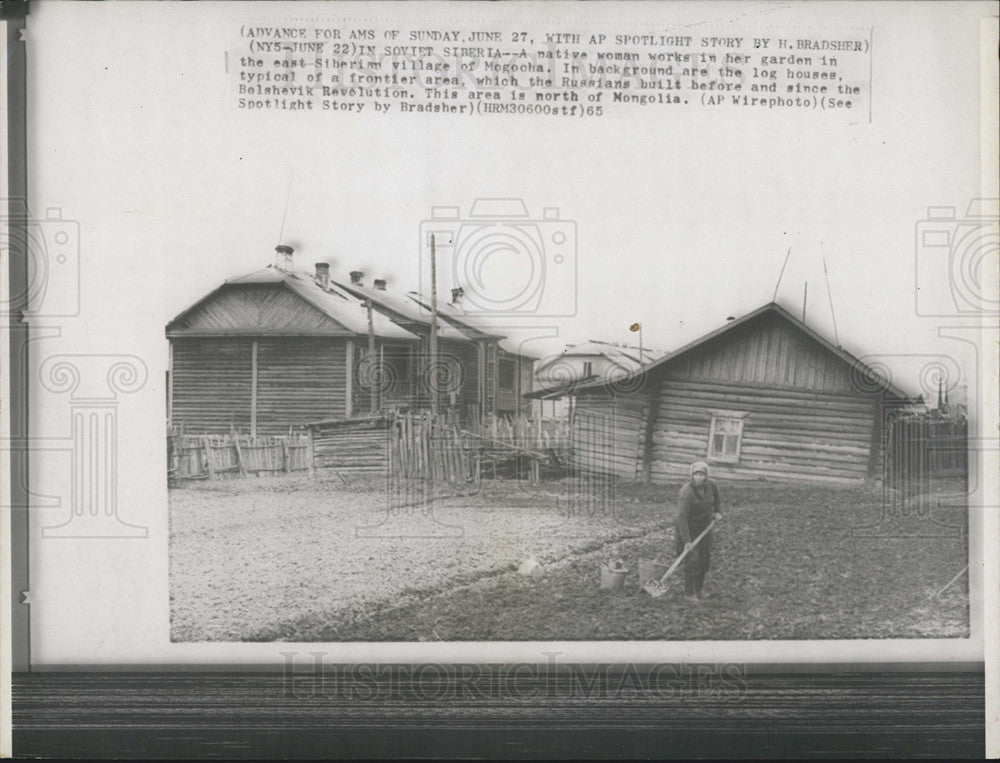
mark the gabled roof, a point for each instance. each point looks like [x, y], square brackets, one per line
[771, 307]
[342, 307]
[625, 357]
[401, 305]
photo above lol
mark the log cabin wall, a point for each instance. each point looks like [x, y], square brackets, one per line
[214, 387]
[299, 380]
[357, 446]
[607, 433]
[788, 434]
[211, 384]
[803, 417]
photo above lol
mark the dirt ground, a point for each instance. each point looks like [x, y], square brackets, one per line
[293, 560]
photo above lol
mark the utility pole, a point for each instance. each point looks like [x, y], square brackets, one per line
[805, 296]
[638, 327]
[374, 372]
[432, 369]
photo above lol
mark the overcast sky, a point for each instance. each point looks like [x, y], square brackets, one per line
[682, 219]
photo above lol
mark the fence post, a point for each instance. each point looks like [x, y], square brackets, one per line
[239, 455]
[206, 448]
[285, 460]
[311, 455]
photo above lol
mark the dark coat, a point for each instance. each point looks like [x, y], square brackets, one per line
[695, 508]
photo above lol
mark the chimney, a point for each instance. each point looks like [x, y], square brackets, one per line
[323, 274]
[283, 261]
[379, 284]
[356, 276]
[456, 296]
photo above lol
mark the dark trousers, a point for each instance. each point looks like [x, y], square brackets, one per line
[697, 562]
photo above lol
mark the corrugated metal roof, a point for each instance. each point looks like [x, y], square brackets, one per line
[400, 303]
[475, 324]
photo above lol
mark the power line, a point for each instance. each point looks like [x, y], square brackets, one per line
[782, 273]
[829, 294]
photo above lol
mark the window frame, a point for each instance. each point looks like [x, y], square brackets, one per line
[724, 458]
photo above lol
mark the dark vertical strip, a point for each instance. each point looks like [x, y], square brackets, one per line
[17, 219]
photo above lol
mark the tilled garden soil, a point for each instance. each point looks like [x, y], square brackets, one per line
[299, 561]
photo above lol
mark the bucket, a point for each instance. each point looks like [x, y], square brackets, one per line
[650, 570]
[612, 580]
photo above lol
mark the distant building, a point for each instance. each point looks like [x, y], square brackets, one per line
[557, 375]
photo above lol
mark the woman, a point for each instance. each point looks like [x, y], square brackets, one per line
[698, 505]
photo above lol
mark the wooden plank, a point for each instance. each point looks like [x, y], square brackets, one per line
[253, 387]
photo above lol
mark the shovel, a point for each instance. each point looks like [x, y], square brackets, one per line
[656, 588]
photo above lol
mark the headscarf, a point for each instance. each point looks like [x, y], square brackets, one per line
[699, 466]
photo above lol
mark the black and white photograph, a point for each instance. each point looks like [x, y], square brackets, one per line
[509, 332]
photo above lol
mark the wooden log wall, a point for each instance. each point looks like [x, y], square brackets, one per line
[299, 380]
[352, 446]
[211, 384]
[788, 434]
[607, 434]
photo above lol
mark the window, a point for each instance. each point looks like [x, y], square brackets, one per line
[725, 437]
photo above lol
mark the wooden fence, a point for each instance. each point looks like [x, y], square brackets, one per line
[920, 449]
[199, 457]
[415, 446]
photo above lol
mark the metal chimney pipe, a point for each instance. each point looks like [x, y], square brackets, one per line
[323, 274]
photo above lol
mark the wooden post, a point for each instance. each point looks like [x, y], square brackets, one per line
[348, 381]
[434, 331]
[253, 388]
[285, 458]
[239, 455]
[170, 383]
[208, 457]
[652, 412]
[311, 455]
[372, 393]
